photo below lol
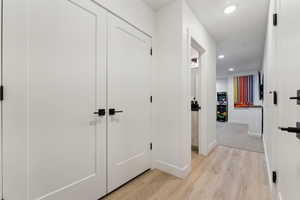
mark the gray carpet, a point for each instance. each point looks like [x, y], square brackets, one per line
[236, 136]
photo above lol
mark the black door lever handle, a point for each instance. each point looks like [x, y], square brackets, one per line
[290, 129]
[295, 98]
[113, 111]
[100, 112]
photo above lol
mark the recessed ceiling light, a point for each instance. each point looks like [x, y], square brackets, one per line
[230, 9]
[231, 69]
[221, 56]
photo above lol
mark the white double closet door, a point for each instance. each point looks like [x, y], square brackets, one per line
[62, 61]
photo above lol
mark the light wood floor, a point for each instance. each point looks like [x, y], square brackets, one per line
[226, 174]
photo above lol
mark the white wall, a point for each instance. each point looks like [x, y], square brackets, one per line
[136, 12]
[167, 93]
[171, 105]
[222, 84]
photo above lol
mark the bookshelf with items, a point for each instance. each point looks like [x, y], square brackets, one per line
[222, 107]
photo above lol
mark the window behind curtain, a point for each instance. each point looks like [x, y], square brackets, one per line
[243, 91]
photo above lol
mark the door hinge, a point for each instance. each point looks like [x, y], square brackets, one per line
[151, 99]
[151, 146]
[275, 19]
[1, 93]
[274, 177]
[151, 51]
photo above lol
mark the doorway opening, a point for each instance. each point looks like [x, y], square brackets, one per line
[195, 74]
[239, 111]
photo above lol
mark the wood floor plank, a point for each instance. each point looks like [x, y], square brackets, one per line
[226, 174]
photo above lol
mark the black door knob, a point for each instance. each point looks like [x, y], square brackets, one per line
[100, 112]
[113, 111]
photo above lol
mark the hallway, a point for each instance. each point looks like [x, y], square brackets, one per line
[226, 174]
[124, 99]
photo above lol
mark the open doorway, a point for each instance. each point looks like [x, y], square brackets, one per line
[195, 64]
[239, 111]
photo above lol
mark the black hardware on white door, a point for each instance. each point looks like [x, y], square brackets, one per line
[292, 129]
[274, 177]
[100, 112]
[275, 97]
[195, 105]
[1, 93]
[275, 19]
[297, 97]
[113, 111]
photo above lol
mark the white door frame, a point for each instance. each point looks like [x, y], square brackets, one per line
[1, 137]
[192, 41]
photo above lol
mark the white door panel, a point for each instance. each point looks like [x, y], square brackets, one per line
[271, 111]
[54, 144]
[129, 64]
[55, 148]
[289, 112]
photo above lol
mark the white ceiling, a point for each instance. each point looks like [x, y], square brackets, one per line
[156, 4]
[239, 36]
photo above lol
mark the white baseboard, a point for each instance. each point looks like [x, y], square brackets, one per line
[280, 196]
[237, 122]
[172, 169]
[267, 162]
[268, 168]
[211, 146]
[254, 133]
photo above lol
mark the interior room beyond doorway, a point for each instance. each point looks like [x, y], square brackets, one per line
[239, 111]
